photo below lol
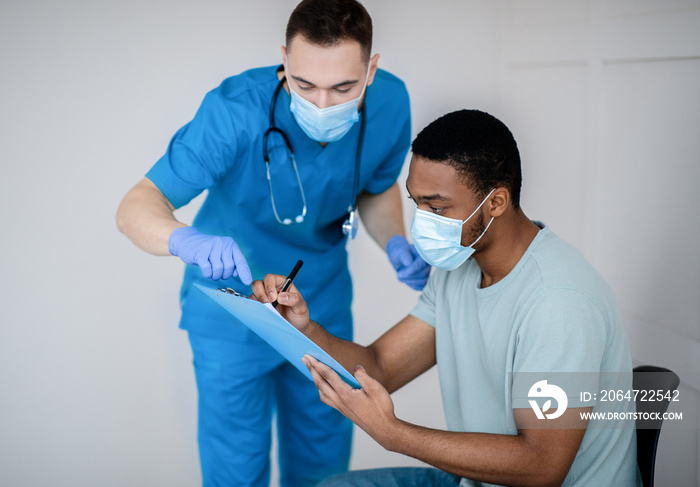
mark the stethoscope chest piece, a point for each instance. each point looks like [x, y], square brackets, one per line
[351, 224]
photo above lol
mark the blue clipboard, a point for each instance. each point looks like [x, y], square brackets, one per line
[265, 321]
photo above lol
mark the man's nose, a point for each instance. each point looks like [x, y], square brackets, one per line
[324, 99]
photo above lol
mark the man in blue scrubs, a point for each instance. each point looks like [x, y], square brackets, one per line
[330, 101]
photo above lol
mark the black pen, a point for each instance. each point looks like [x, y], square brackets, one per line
[290, 278]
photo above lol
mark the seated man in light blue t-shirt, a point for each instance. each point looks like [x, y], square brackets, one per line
[523, 329]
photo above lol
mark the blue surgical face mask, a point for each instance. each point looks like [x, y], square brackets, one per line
[325, 124]
[438, 239]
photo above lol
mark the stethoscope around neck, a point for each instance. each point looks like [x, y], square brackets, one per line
[351, 223]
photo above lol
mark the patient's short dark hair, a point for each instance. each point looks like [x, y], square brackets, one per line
[479, 146]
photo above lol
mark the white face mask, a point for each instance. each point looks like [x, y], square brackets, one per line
[438, 239]
[325, 124]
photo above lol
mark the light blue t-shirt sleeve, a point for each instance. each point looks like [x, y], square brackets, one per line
[562, 338]
[199, 154]
[398, 131]
[425, 308]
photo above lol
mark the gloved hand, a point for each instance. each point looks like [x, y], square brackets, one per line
[217, 257]
[410, 267]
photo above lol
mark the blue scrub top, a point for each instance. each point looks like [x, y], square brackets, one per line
[220, 150]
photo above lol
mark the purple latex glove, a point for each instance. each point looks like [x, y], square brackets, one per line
[217, 257]
[410, 267]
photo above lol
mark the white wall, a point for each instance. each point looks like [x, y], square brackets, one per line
[96, 385]
[604, 98]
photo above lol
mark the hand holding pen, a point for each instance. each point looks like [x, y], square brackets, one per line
[291, 306]
[289, 279]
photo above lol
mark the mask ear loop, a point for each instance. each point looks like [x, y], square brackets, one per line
[364, 88]
[487, 226]
[482, 233]
[477, 208]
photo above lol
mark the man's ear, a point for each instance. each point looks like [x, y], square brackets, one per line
[372, 68]
[284, 58]
[499, 201]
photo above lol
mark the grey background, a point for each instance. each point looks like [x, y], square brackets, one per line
[96, 383]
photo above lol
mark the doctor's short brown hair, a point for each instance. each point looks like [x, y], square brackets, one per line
[328, 22]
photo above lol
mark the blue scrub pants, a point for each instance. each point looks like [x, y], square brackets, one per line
[394, 477]
[241, 386]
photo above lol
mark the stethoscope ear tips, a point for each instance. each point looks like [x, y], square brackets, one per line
[287, 221]
[299, 218]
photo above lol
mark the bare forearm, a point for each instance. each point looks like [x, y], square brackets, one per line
[497, 459]
[401, 354]
[382, 215]
[347, 354]
[146, 217]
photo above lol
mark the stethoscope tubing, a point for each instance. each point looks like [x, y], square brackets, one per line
[356, 178]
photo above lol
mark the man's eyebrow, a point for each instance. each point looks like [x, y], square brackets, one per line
[345, 83]
[429, 197]
[337, 85]
[433, 197]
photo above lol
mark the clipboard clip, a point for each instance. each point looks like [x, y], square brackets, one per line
[228, 290]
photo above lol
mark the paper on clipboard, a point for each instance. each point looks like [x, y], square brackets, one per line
[265, 321]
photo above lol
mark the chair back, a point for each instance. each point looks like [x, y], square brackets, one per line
[650, 378]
